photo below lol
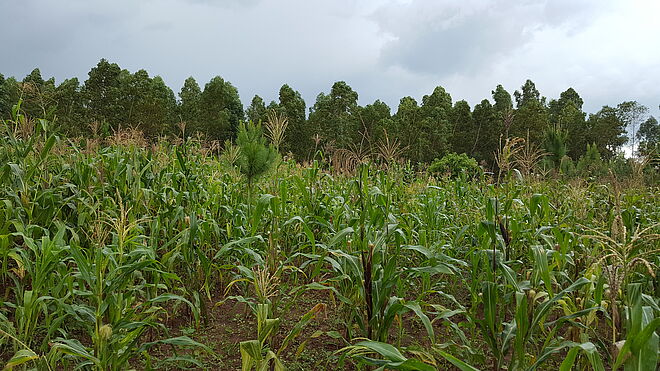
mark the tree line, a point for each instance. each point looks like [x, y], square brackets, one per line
[113, 98]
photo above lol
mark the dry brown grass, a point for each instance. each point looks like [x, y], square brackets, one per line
[347, 160]
[276, 124]
[505, 155]
[130, 136]
[389, 151]
[527, 158]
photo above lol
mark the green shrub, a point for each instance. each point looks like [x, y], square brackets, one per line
[453, 165]
[620, 165]
[554, 141]
[590, 164]
[566, 166]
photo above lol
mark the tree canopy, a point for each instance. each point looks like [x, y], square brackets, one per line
[112, 98]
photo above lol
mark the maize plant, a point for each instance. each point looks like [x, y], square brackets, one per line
[119, 253]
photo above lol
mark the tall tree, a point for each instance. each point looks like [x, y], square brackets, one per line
[649, 137]
[632, 114]
[148, 104]
[374, 120]
[528, 93]
[5, 106]
[606, 131]
[567, 113]
[298, 139]
[572, 119]
[71, 114]
[157, 110]
[221, 109]
[132, 88]
[333, 116]
[502, 99]
[38, 95]
[557, 105]
[488, 129]
[463, 128]
[504, 113]
[102, 93]
[434, 126]
[405, 127]
[531, 117]
[10, 93]
[189, 107]
[257, 111]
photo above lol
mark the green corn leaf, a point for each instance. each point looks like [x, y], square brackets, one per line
[75, 348]
[179, 341]
[417, 309]
[456, 362]
[21, 357]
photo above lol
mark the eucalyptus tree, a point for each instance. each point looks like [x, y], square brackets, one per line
[334, 118]
[299, 137]
[189, 106]
[632, 114]
[221, 109]
[463, 129]
[102, 93]
[256, 111]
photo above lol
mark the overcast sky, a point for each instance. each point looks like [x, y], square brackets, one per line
[609, 51]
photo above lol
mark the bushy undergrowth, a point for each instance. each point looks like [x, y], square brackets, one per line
[455, 165]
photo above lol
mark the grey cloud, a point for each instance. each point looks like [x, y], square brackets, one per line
[231, 4]
[385, 49]
[445, 38]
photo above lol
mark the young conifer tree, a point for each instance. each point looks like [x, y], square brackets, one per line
[256, 155]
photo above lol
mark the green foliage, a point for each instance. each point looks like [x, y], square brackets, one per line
[485, 142]
[554, 141]
[632, 114]
[5, 105]
[404, 125]
[189, 108]
[566, 98]
[105, 252]
[299, 136]
[640, 349]
[591, 164]
[566, 166]
[502, 99]
[148, 104]
[256, 155]
[113, 98]
[527, 94]
[463, 132]
[620, 166]
[531, 117]
[38, 95]
[649, 137]
[435, 112]
[606, 131]
[375, 118]
[455, 165]
[334, 116]
[221, 109]
[257, 111]
[391, 358]
[424, 130]
[572, 119]
[102, 93]
[70, 110]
